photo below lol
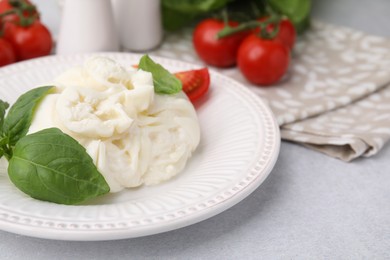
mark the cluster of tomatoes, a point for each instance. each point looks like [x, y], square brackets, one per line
[260, 48]
[22, 35]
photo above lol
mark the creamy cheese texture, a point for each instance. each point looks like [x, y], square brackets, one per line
[133, 135]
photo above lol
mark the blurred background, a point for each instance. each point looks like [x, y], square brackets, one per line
[358, 14]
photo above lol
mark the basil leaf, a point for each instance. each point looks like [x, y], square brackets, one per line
[4, 149]
[177, 13]
[50, 165]
[298, 11]
[3, 108]
[19, 117]
[164, 82]
[173, 20]
[194, 6]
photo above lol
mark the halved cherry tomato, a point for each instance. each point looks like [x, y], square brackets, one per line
[195, 82]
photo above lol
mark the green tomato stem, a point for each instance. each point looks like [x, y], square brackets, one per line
[250, 25]
[228, 30]
[19, 7]
[8, 12]
[225, 17]
[275, 20]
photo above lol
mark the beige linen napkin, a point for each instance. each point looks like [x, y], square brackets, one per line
[335, 97]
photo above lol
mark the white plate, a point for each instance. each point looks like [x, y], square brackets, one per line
[239, 146]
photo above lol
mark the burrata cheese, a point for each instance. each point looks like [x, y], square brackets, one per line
[133, 135]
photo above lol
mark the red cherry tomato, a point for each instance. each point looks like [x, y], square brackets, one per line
[263, 61]
[195, 82]
[217, 52]
[29, 42]
[7, 55]
[287, 33]
[6, 6]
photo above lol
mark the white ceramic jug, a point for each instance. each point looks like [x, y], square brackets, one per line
[87, 26]
[139, 23]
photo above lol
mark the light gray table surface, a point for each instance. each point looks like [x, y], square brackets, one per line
[310, 207]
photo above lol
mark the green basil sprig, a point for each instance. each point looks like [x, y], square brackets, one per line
[18, 119]
[20, 115]
[164, 82]
[48, 165]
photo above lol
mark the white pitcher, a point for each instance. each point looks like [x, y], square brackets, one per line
[139, 23]
[87, 26]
